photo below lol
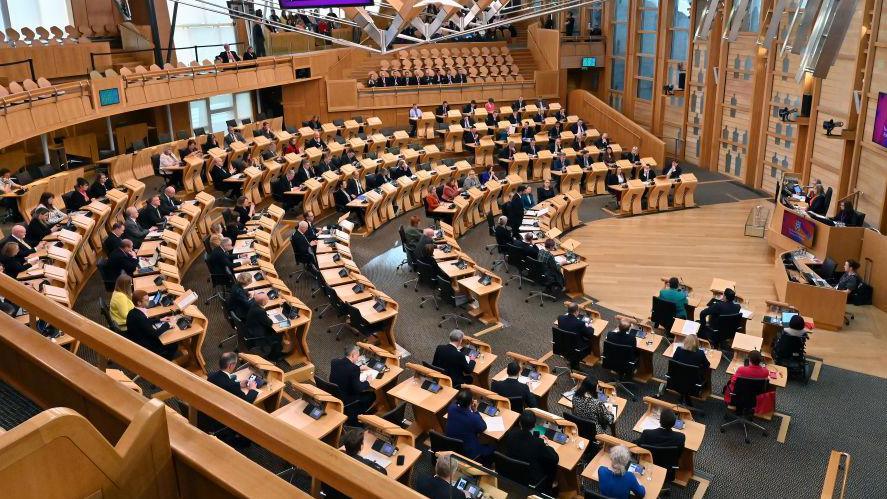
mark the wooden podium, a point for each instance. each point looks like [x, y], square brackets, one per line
[425, 126]
[683, 192]
[519, 164]
[483, 153]
[595, 179]
[571, 214]
[657, 196]
[570, 178]
[309, 191]
[453, 138]
[631, 198]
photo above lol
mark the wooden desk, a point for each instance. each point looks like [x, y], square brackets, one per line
[837, 243]
[653, 478]
[615, 403]
[692, 430]
[404, 442]
[189, 342]
[487, 296]
[270, 394]
[539, 388]
[387, 317]
[483, 362]
[380, 383]
[824, 303]
[568, 453]
[507, 416]
[646, 348]
[745, 343]
[428, 407]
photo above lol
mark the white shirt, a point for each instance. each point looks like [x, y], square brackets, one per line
[415, 113]
[168, 160]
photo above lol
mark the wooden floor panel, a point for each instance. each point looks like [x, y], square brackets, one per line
[630, 255]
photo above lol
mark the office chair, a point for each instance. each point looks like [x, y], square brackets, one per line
[515, 257]
[397, 415]
[106, 313]
[591, 494]
[409, 260]
[587, 428]
[246, 343]
[426, 274]
[724, 329]
[441, 442]
[620, 359]
[447, 294]
[663, 314]
[517, 471]
[517, 404]
[435, 217]
[569, 346]
[108, 280]
[686, 380]
[429, 365]
[744, 399]
[540, 276]
[235, 322]
[221, 283]
[354, 321]
[491, 228]
[351, 409]
[796, 361]
[666, 457]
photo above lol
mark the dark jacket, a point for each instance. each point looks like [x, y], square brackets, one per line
[435, 487]
[512, 388]
[224, 381]
[573, 324]
[503, 235]
[527, 250]
[219, 261]
[74, 200]
[13, 266]
[118, 262]
[818, 205]
[661, 437]
[522, 445]
[675, 173]
[543, 194]
[341, 199]
[23, 251]
[146, 332]
[111, 243]
[239, 301]
[149, 216]
[717, 309]
[97, 190]
[36, 231]
[465, 425]
[453, 362]
[257, 322]
[224, 56]
[346, 375]
[514, 210]
[302, 248]
[623, 339]
[695, 358]
[133, 231]
[168, 205]
[281, 186]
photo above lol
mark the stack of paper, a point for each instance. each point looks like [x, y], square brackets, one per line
[494, 423]
[368, 374]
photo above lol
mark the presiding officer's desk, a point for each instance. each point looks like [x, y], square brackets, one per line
[692, 430]
[797, 283]
[837, 243]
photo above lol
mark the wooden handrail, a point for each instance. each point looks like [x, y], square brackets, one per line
[289, 443]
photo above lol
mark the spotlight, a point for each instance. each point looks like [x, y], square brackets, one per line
[668, 89]
[830, 125]
[785, 112]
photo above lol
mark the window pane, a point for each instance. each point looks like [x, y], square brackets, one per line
[219, 120]
[620, 37]
[645, 66]
[679, 42]
[620, 10]
[681, 14]
[648, 20]
[34, 13]
[617, 82]
[645, 89]
[223, 101]
[753, 18]
[647, 44]
[244, 105]
[198, 113]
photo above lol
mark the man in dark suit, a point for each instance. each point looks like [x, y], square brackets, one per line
[316, 142]
[304, 172]
[514, 210]
[560, 162]
[503, 232]
[349, 158]
[345, 373]
[168, 202]
[115, 237]
[18, 234]
[225, 379]
[634, 156]
[442, 111]
[603, 141]
[233, 136]
[507, 152]
[554, 145]
[450, 358]
[526, 247]
[522, 444]
[470, 136]
[579, 127]
[469, 108]
[623, 336]
[132, 230]
[518, 104]
[723, 305]
[440, 485]
[425, 239]
[663, 436]
[259, 325]
[573, 323]
[672, 171]
[401, 170]
[352, 441]
[528, 134]
[150, 215]
[530, 148]
[283, 185]
[303, 248]
[228, 55]
[123, 259]
[239, 300]
[219, 173]
[220, 261]
[341, 198]
[510, 387]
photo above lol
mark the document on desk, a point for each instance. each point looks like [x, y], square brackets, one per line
[368, 374]
[561, 260]
[746, 313]
[650, 423]
[690, 327]
[494, 423]
[613, 408]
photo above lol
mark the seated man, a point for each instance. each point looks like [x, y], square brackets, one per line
[219, 173]
[168, 202]
[571, 322]
[352, 442]
[522, 444]
[345, 373]
[122, 260]
[502, 232]
[224, 378]
[259, 325]
[466, 424]
[723, 305]
[674, 294]
[146, 332]
[283, 185]
[452, 361]
[440, 485]
[150, 215]
[511, 388]
[526, 247]
[673, 170]
[239, 300]
[132, 230]
[220, 260]
[623, 336]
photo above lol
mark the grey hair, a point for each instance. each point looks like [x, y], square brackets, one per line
[349, 349]
[225, 240]
[619, 457]
[445, 466]
[503, 220]
[456, 335]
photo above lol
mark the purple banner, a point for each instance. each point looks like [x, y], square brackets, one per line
[310, 4]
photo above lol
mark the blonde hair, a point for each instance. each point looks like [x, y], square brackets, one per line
[215, 240]
[690, 343]
[619, 458]
[123, 284]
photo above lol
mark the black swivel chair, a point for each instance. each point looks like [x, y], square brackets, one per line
[409, 259]
[517, 471]
[515, 257]
[447, 294]
[793, 356]
[685, 379]
[663, 314]
[107, 279]
[397, 415]
[666, 457]
[591, 494]
[539, 275]
[221, 284]
[427, 276]
[744, 398]
[443, 443]
[569, 346]
[106, 313]
[622, 360]
[586, 427]
[724, 329]
[517, 404]
[351, 409]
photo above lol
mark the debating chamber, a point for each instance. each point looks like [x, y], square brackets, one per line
[443, 248]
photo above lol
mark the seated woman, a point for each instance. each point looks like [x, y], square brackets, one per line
[790, 343]
[753, 369]
[47, 201]
[292, 147]
[545, 192]
[121, 301]
[586, 405]
[690, 354]
[12, 264]
[616, 481]
[450, 191]
[846, 214]
[614, 178]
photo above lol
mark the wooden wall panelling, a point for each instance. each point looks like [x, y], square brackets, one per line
[95, 13]
[303, 99]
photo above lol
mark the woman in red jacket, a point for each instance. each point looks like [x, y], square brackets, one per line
[754, 369]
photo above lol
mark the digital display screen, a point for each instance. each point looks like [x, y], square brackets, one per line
[109, 97]
[798, 229]
[310, 4]
[879, 133]
[589, 62]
